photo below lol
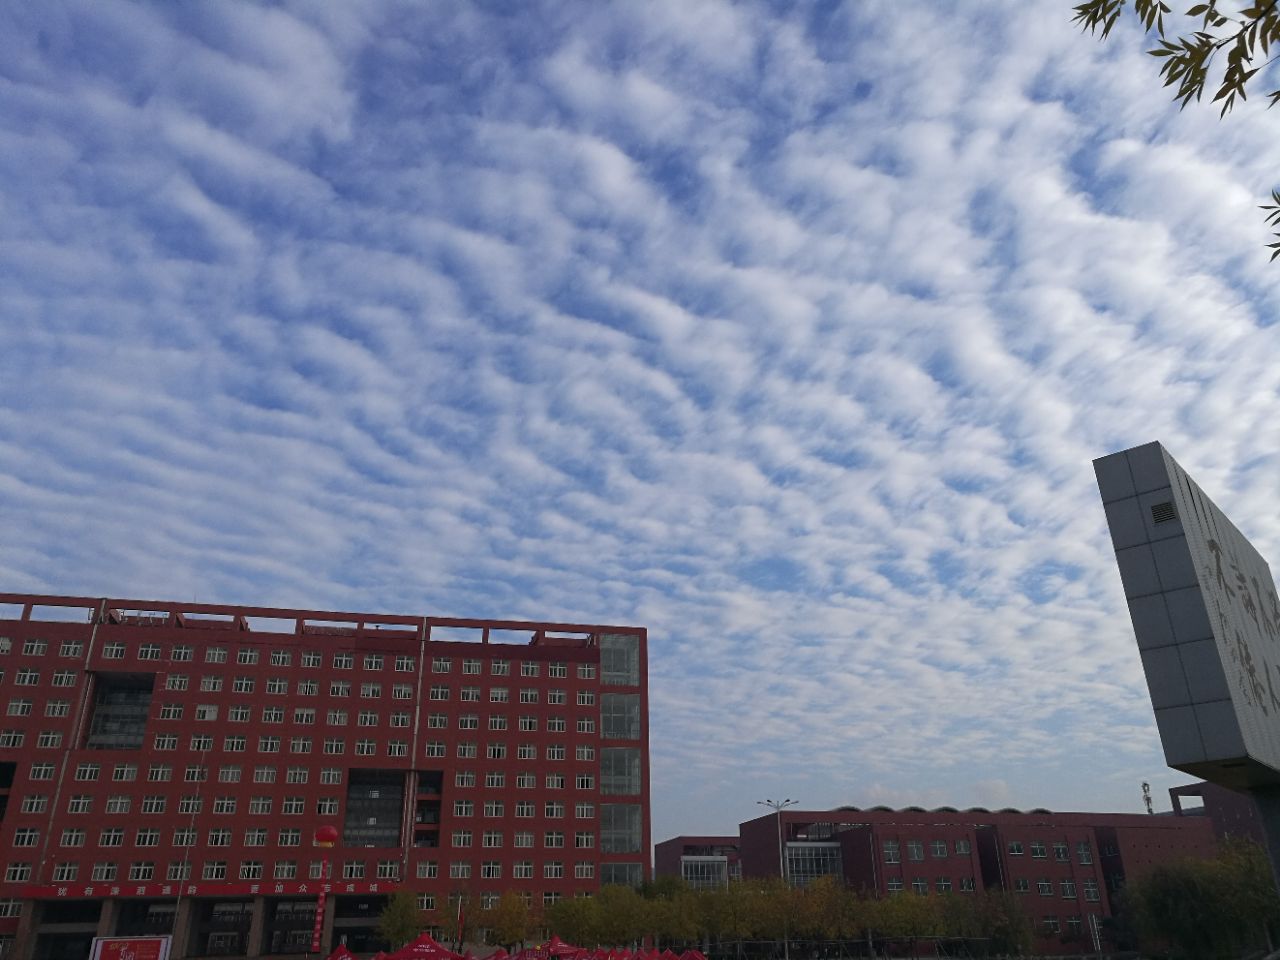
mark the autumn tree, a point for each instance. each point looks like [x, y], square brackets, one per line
[509, 920]
[400, 920]
[1211, 48]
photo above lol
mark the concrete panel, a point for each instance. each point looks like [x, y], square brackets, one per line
[1148, 467]
[1202, 667]
[1114, 480]
[1165, 679]
[1138, 571]
[1159, 531]
[1124, 520]
[1180, 735]
[1151, 623]
[1188, 615]
[1219, 729]
[1174, 564]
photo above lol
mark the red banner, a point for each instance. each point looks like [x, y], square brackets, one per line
[242, 888]
[318, 927]
[130, 948]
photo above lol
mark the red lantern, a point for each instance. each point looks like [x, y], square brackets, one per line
[326, 836]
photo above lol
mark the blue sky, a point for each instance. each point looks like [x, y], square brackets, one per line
[789, 332]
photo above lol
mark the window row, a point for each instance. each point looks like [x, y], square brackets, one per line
[1061, 852]
[193, 773]
[1067, 888]
[915, 850]
[552, 809]
[279, 686]
[524, 781]
[920, 885]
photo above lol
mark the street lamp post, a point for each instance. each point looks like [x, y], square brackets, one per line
[777, 806]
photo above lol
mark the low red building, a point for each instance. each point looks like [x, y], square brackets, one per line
[1067, 866]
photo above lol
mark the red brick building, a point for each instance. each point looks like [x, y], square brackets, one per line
[1067, 866]
[164, 768]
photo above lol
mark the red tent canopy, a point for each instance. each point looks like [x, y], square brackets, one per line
[341, 953]
[692, 955]
[424, 948]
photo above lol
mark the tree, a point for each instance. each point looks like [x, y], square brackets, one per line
[400, 920]
[510, 920]
[1188, 55]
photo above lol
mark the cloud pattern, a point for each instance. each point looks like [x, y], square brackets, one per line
[787, 332]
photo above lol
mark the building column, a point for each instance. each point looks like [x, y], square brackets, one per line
[108, 916]
[183, 919]
[257, 924]
[24, 943]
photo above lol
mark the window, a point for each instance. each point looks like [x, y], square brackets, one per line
[528, 724]
[39, 771]
[892, 852]
[459, 871]
[555, 781]
[19, 708]
[201, 742]
[142, 871]
[215, 655]
[255, 837]
[435, 748]
[26, 678]
[367, 718]
[554, 809]
[967, 885]
[111, 837]
[171, 711]
[269, 744]
[526, 751]
[292, 806]
[1091, 890]
[326, 806]
[464, 778]
[441, 664]
[149, 651]
[528, 696]
[119, 804]
[437, 721]
[71, 648]
[178, 871]
[557, 670]
[586, 698]
[277, 685]
[181, 653]
[1051, 925]
[39, 803]
[87, 772]
[224, 805]
[49, 739]
[469, 694]
[963, 848]
[584, 781]
[553, 839]
[344, 661]
[331, 776]
[273, 714]
[308, 688]
[1068, 888]
[285, 870]
[553, 869]
[147, 837]
[57, 708]
[1038, 850]
[311, 658]
[62, 873]
[529, 668]
[210, 684]
[281, 658]
[160, 773]
[1084, 853]
[586, 671]
[214, 870]
[290, 837]
[584, 811]
[1015, 848]
[1044, 886]
[103, 872]
[264, 774]
[297, 775]
[915, 850]
[500, 668]
[556, 697]
[236, 744]
[584, 752]
[340, 688]
[229, 774]
[175, 681]
[1061, 853]
[242, 685]
[556, 725]
[17, 873]
[371, 691]
[464, 808]
[401, 691]
[299, 744]
[366, 748]
[526, 781]
[388, 870]
[586, 725]
[336, 718]
[938, 848]
[491, 839]
[522, 870]
[113, 651]
[154, 803]
[428, 870]
[397, 748]
[584, 840]
[400, 720]
[26, 837]
[942, 884]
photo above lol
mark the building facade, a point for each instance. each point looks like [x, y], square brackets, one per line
[1066, 866]
[164, 768]
[704, 863]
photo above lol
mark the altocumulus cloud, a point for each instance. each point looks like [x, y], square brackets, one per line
[789, 334]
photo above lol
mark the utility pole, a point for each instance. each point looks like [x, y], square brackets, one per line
[777, 806]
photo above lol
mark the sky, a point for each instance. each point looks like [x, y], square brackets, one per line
[788, 332]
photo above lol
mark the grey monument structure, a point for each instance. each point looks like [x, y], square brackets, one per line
[1207, 621]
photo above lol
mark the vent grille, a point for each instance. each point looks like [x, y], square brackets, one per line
[1163, 512]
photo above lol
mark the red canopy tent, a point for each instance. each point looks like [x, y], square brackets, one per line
[424, 948]
[341, 953]
[692, 955]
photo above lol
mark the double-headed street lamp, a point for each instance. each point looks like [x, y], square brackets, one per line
[777, 806]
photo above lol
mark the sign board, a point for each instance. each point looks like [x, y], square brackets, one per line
[1205, 614]
[130, 948]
